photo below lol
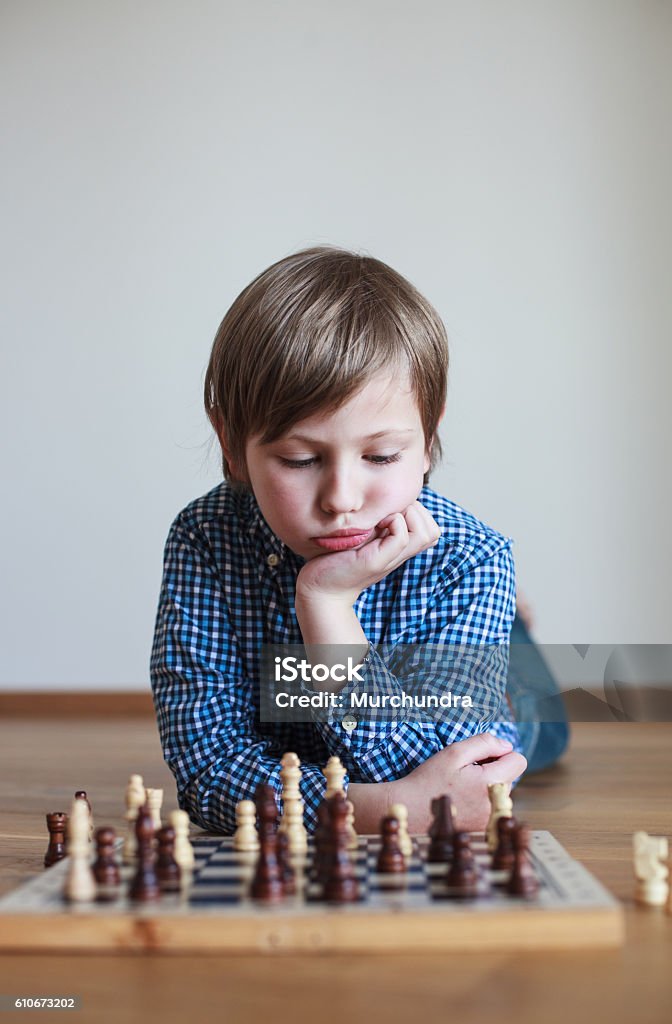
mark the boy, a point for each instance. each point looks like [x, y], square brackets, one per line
[326, 386]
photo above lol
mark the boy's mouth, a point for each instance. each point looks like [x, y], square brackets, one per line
[341, 540]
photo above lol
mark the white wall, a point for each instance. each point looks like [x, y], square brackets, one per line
[512, 159]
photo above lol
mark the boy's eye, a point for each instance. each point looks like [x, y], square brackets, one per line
[376, 460]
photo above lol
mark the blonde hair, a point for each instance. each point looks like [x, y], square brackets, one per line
[307, 334]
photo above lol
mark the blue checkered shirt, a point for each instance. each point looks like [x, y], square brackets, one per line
[228, 589]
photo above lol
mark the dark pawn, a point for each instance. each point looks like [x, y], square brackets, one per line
[167, 869]
[145, 886]
[504, 855]
[285, 862]
[523, 881]
[391, 860]
[462, 874]
[322, 848]
[57, 823]
[267, 881]
[105, 867]
[340, 884]
[441, 831]
[264, 795]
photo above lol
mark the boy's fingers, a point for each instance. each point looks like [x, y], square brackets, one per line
[505, 769]
[480, 747]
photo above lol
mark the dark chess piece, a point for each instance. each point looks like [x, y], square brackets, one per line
[523, 881]
[57, 823]
[504, 855]
[265, 795]
[105, 867]
[462, 876]
[267, 881]
[340, 885]
[322, 846]
[391, 860]
[285, 862]
[441, 831]
[145, 885]
[168, 872]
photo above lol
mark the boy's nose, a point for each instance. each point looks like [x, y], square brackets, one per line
[340, 493]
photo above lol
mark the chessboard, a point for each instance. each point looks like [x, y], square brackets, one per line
[214, 913]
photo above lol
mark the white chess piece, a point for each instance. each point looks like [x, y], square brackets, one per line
[245, 838]
[501, 806]
[334, 773]
[400, 812]
[155, 801]
[135, 798]
[652, 886]
[80, 885]
[184, 851]
[292, 804]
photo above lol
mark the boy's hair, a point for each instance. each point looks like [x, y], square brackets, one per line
[307, 334]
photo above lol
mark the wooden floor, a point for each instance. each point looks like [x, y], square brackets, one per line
[617, 778]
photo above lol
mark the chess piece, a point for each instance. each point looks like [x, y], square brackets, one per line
[245, 838]
[322, 843]
[135, 798]
[390, 859]
[523, 881]
[441, 831]
[267, 881]
[295, 829]
[57, 823]
[340, 885]
[334, 773]
[292, 804]
[80, 885]
[81, 795]
[155, 800]
[145, 886]
[400, 812]
[105, 868]
[167, 868]
[501, 806]
[504, 855]
[284, 860]
[652, 887]
[353, 838]
[183, 851]
[462, 876]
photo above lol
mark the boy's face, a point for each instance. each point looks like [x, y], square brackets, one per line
[329, 474]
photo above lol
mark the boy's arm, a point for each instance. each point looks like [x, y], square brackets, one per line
[204, 700]
[459, 643]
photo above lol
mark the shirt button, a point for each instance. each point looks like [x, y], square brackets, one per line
[273, 560]
[349, 722]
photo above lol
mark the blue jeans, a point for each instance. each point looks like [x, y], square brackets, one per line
[529, 685]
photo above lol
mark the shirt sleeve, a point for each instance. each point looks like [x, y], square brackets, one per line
[203, 699]
[460, 647]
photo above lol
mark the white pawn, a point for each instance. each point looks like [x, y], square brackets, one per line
[501, 806]
[400, 812]
[245, 838]
[295, 829]
[353, 838]
[80, 884]
[135, 798]
[334, 773]
[184, 851]
[652, 887]
[155, 801]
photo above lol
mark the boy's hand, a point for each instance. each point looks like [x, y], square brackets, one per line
[343, 575]
[463, 771]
